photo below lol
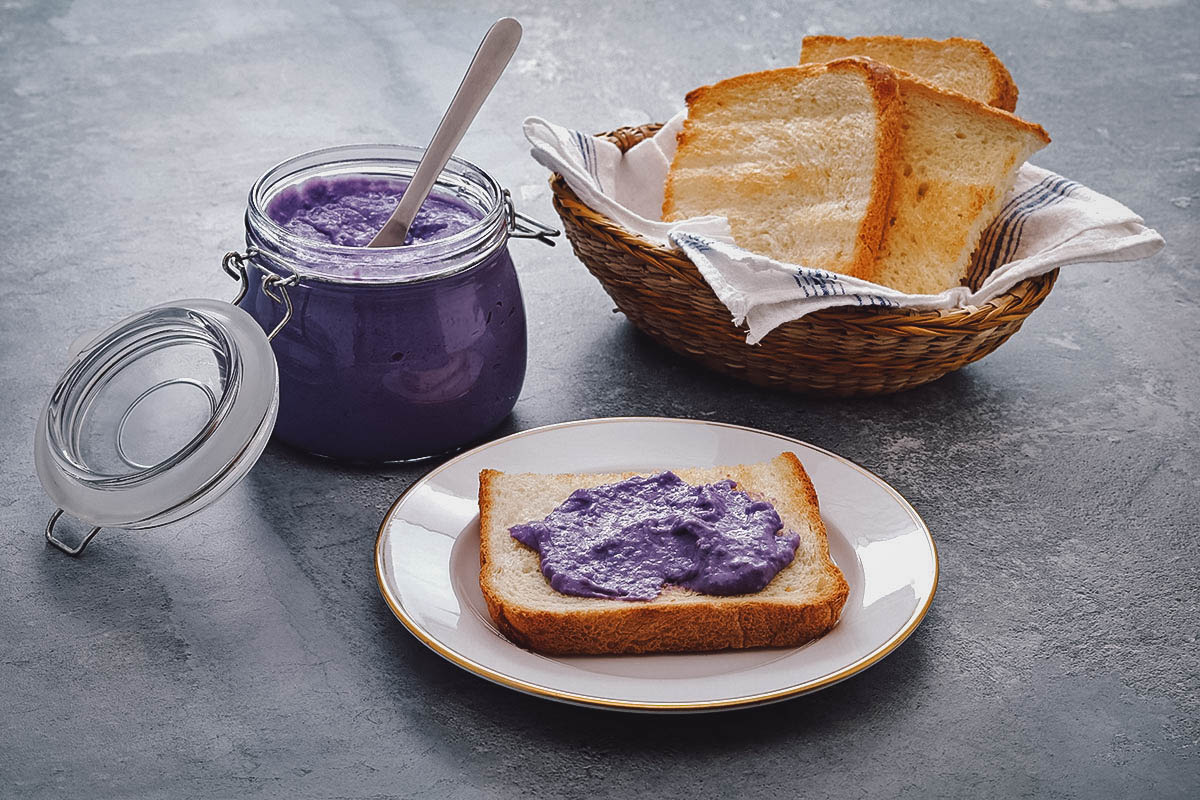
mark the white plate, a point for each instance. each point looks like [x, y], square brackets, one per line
[427, 563]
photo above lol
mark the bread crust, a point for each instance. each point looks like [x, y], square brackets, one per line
[1003, 91]
[886, 90]
[911, 86]
[886, 94]
[915, 83]
[708, 623]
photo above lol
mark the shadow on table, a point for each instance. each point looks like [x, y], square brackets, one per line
[628, 372]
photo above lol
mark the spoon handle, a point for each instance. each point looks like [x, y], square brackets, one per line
[486, 67]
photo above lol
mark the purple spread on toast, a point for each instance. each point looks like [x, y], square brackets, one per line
[626, 540]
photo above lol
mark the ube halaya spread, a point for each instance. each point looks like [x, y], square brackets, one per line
[626, 540]
[348, 210]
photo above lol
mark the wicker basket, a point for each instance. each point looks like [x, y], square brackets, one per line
[838, 351]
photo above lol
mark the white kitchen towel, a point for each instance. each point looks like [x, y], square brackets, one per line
[1047, 222]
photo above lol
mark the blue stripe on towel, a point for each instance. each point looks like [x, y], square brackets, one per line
[1000, 226]
[874, 300]
[995, 230]
[582, 144]
[587, 150]
[591, 143]
[1004, 235]
[1016, 223]
[1060, 191]
[815, 282]
[691, 240]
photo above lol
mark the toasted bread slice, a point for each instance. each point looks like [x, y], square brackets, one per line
[802, 602]
[959, 158]
[800, 160]
[966, 66]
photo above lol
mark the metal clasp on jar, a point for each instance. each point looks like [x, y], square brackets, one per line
[273, 286]
[521, 226]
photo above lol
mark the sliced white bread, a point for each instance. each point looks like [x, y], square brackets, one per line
[802, 602]
[966, 66]
[959, 158]
[800, 160]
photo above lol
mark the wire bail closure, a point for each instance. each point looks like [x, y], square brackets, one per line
[59, 543]
[273, 286]
[521, 226]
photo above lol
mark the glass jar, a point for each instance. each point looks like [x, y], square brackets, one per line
[390, 353]
[372, 355]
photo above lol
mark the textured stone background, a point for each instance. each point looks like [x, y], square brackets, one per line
[246, 651]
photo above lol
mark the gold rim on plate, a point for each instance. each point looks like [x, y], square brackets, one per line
[538, 690]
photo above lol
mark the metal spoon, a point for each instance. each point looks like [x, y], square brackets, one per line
[486, 67]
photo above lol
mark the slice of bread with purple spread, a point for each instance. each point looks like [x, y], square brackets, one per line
[802, 602]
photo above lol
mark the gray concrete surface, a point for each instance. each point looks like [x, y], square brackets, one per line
[246, 651]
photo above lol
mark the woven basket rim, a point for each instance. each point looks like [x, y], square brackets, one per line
[911, 321]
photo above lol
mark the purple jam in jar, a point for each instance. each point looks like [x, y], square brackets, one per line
[391, 353]
[350, 209]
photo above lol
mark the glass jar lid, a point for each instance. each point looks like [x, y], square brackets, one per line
[158, 416]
